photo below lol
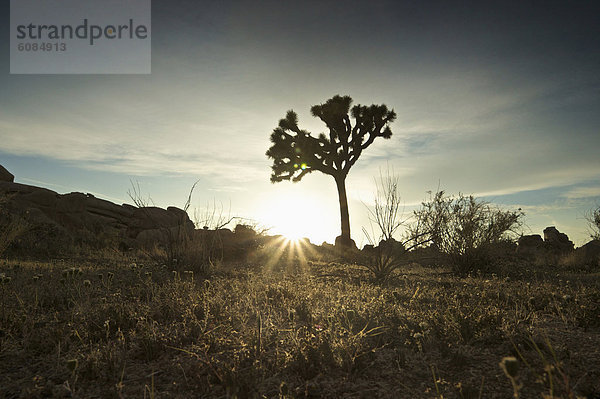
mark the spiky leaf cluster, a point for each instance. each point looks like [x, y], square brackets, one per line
[296, 153]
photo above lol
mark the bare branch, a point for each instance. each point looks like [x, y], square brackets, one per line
[189, 198]
[135, 193]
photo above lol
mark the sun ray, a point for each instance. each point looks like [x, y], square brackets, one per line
[275, 249]
[302, 265]
[287, 255]
[305, 243]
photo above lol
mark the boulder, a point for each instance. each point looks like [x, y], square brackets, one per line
[41, 197]
[18, 188]
[108, 209]
[392, 245]
[589, 252]
[178, 213]
[530, 244]
[152, 217]
[368, 248]
[5, 175]
[72, 202]
[340, 243]
[557, 242]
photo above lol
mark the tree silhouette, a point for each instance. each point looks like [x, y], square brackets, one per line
[296, 153]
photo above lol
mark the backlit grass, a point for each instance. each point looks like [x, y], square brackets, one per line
[118, 329]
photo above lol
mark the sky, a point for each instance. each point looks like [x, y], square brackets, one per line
[500, 100]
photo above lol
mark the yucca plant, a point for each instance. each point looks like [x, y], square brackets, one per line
[385, 254]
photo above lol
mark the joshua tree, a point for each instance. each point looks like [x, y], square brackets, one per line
[296, 153]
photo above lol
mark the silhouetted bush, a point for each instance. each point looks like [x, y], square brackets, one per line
[384, 258]
[593, 219]
[468, 231]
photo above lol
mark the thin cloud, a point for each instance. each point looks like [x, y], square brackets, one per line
[134, 153]
[583, 192]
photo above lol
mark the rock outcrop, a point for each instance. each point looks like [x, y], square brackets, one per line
[530, 245]
[557, 242]
[57, 220]
[590, 252]
[554, 243]
[5, 175]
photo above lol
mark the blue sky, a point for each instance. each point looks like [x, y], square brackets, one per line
[497, 100]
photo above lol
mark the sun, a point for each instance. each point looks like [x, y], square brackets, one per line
[292, 222]
[293, 225]
[292, 236]
[297, 214]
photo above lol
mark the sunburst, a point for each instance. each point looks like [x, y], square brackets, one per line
[288, 255]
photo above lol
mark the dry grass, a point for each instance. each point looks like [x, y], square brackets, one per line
[118, 329]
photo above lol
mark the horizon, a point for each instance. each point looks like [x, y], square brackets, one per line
[499, 101]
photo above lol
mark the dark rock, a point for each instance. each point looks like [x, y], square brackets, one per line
[553, 245]
[60, 219]
[589, 252]
[5, 175]
[127, 207]
[154, 217]
[534, 240]
[557, 242]
[178, 213]
[72, 202]
[530, 244]
[392, 245]
[340, 243]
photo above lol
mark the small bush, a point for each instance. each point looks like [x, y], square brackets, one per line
[593, 219]
[467, 230]
[387, 217]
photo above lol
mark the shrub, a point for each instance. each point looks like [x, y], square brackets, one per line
[466, 230]
[182, 245]
[387, 217]
[593, 218]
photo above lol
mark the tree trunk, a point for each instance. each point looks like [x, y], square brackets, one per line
[344, 214]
